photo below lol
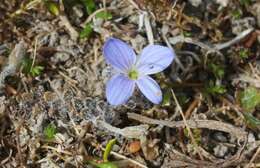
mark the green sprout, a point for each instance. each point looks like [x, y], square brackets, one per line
[167, 98]
[217, 70]
[50, 131]
[108, 149]
[236, 14]
[196, 133]
[30, 69]
[89, 5]
[53, 7]
[245, 2]
[215, 89]
[244, 53]
[90, 8]
[86, 32]
[104, 15]
[106, 163]
[187, 34]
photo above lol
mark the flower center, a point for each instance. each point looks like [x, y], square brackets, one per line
[133, 74]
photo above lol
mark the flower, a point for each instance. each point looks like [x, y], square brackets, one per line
[132, 71]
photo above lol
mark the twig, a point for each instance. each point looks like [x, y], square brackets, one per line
[208, 124]
[183, 39]
[128, 132]
[72, 32]
[126, 158]
[148, 28]
[233, 41]
[194, 55]
[34, 53]
[176, 58]
[253, 158]
[57, 150]
[190, 109]
[90, 17]
[187, 125]
[21, 10]
[134, 4]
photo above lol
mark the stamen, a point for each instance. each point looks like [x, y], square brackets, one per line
[133, 74]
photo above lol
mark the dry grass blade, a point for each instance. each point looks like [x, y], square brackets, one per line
[187, 125]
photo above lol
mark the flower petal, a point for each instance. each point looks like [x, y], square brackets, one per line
[150, 89]
[154, 58]
[119, 54]
[119, 89]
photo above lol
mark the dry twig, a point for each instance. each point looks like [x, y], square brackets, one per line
[208, 124]
[187, 125]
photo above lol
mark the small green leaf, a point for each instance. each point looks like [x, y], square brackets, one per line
[29, 70]
[53, 7]
[167, 98]
[215, 89]
[108, 149]
[244, 53]
[251, 120]
[36, 70]
[26, 65]
[237, 14]
[249, 98]
[89, 5]
[187, 34]
[196, 134]
[104, 15]
[86, 32]
[106, 165]
[245, 2]
[50, 131]
[217, 70]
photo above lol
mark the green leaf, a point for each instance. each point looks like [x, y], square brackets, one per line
[26, 65]
[89, 5]
[167, 98]
[104, 15]
[108, 149]
[107, 165]
[187, 34]
[29, 70]
[53, 7]
[50, 131]
[251, 120]
[217, 70]
[249, 98]
[245, 2]
[237, 14]
[196, 134]
[215, 89]
[244, 53]
[86, 32]
[36, 70]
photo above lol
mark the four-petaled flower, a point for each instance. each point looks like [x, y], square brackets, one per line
[133, 71]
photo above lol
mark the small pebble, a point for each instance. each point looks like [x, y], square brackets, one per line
[134, 146]
[220, 150]
[219, 136]
[195, 3]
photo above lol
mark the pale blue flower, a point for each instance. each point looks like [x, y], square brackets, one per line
[132, 71]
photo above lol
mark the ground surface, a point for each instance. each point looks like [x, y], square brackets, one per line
[53, 110]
